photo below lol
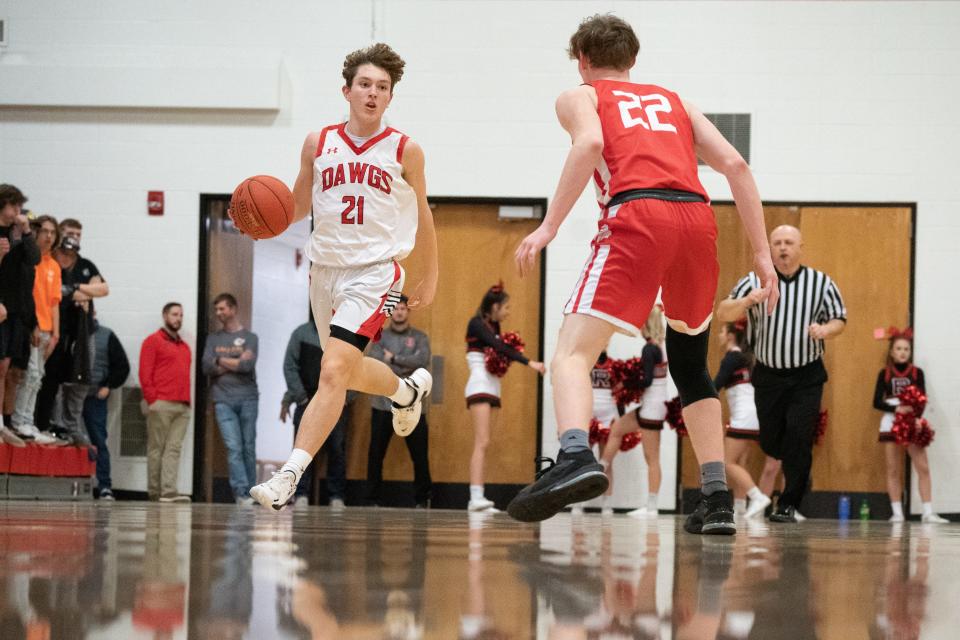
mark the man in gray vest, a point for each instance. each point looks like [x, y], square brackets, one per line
[110, 370]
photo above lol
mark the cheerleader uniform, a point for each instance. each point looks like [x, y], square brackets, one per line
[605, 408]
[483, 386]
[734, 376]
[653, 411]
[892, 380]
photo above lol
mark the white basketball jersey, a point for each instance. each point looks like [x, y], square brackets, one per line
[363, 210]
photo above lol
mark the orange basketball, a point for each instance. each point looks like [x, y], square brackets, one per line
[261, 207]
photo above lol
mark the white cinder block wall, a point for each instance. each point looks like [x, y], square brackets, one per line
[850, 102]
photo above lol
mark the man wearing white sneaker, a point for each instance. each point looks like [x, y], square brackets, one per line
[364, 183]
[46, 335]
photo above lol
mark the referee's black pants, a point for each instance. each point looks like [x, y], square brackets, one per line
[788, 407]
[381, 432]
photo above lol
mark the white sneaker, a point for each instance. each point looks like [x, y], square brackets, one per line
[642, 512]
[301, 502]
[606, 511]
[896, 518]
[11, 438]
[57, 442]
[39, 436]
[932, 518]
[277, 491]
[577, 509]
[337, 504]
[757, 507]
[799, 516]
[481, 504]
[245, 501]
[405, 419]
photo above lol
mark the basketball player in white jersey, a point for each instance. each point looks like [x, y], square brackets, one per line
[364, 183]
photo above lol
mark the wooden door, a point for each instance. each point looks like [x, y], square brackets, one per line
[229, 270]
[867, 251]
[476, 250]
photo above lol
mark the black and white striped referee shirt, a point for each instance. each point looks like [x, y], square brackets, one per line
[782, 340]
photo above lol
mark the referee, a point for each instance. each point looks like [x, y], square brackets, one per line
[789, 374]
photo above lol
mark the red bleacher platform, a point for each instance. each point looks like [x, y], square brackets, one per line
[51, 462]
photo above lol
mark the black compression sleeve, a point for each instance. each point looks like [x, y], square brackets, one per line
[879, 392]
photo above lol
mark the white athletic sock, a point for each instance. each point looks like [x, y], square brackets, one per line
[755, 493]
[652, 502]
[740, 505]
[404, 394]
[928, 508]
[297, 463]
[897, 508]
[476, 492]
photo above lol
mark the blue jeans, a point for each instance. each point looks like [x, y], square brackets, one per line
[238, 428]
[335, 448]
[95, 419]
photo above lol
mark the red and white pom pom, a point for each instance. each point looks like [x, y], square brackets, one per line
[626, 379]
[497, 363]
[914, 398]
[599, 433]
[903, 427]
[631, 440]
[675, 416]
[822, 422]
[923, 433]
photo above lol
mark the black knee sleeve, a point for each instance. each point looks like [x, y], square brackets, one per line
[687, 357]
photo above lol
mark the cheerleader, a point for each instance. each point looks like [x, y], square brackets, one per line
[649, 416]
[899, 374]
[483, 388]
[744, 427]
[605, 411]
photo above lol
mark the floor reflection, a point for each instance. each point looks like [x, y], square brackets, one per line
[132, 570]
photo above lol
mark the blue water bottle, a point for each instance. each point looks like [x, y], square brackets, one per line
[844, 511]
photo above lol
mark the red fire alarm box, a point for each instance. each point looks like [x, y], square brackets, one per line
[155, 203]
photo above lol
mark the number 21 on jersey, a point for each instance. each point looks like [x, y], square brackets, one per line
[353, 213]
[631, 105]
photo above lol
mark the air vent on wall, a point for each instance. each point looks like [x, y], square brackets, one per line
[133, 424]
[735, 127]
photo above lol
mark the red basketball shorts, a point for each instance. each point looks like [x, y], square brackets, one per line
[641, 246]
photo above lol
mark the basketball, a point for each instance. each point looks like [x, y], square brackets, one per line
[261, 207]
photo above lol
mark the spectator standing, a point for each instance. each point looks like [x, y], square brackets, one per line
[110, 370]
[165, 378]
[789, 344]
[68, 369]
[404, 349]
[230, 359]
[19, 255]
[301, 370]
[46, 335]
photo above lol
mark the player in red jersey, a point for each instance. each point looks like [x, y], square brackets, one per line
[364, 184]
[639, 143]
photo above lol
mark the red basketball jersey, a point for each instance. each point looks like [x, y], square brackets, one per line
[647, 140]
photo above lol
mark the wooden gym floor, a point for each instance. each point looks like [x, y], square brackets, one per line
[138, 570]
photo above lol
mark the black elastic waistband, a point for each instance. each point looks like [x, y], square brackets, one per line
[672, 195]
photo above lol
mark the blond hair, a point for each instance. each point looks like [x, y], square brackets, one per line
[654, 327]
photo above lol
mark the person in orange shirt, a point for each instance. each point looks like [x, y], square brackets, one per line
[46, 298]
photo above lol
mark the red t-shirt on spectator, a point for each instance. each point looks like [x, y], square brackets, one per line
[165, 368]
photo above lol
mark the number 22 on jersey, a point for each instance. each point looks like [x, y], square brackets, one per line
[631, 105]
[353, 213]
